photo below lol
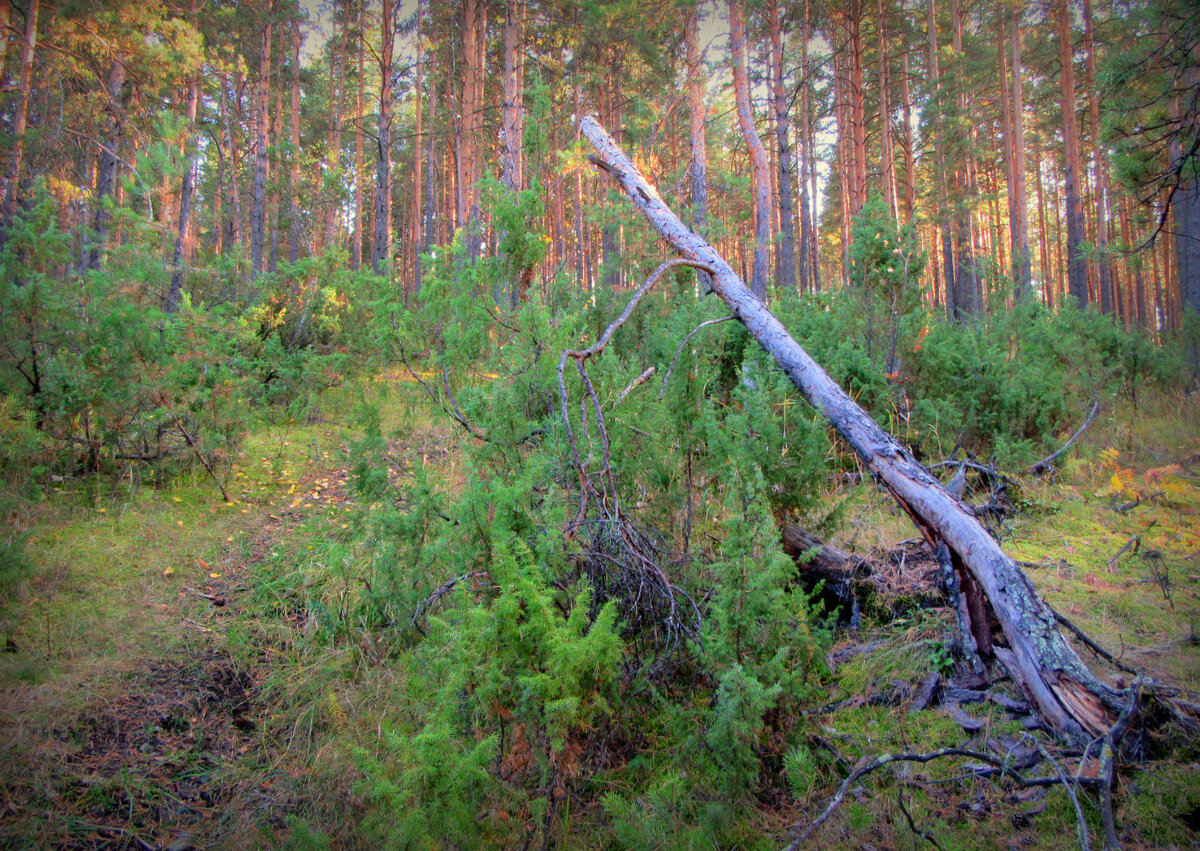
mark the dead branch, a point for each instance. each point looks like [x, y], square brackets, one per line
[455, 414]
[438, 593]
[1092, 645]
[863, 769]
[1134, 541]
[682, 343]
[195, 449]
[1047, 463]
[636, 383]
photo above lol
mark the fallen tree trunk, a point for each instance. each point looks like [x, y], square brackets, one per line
[1069, 699]
[819, 559]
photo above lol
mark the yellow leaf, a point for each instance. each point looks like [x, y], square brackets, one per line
[214, 576]
[169, 571]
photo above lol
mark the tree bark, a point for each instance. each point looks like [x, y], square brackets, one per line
[356, 253]
[106, 171]
[474, 42]
[296, 228]
[381, 248]
[939, 146]
[785, 272]
[697, 114]
[758, 155]
[1099, 167]
[1076, 268]
[512, 173]
[185, 195]
[1072, 702]
[258, 216]
[12, 170]
[887, 157]
[1018, 201]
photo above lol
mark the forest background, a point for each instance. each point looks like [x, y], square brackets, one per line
[226, 225]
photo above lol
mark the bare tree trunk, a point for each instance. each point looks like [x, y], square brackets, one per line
[185, 194]
[106, 171]
[356, 252]
[696, 112]
[333, 145]
[296, 230]
[806, 279]
[1076, 269]
[1099, 168]
[234, 212]
[258, 216]
[1029, 646]
[12, 171]
[758, 156]
[1018, 201]
[939, 146]
[474, 41]
[785, 271]
[512, 174]
[885, 121]
[381, 248]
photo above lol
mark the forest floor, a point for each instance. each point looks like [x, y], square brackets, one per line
[164, 683]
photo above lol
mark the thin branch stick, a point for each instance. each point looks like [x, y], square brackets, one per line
[1085, 843]
[455, 414]
[637, 382]
[682, 343]
[195, 449]
[887, 759]
[1050, 460]
[1135, 541]
[440, 592]
[1091, 645]
[912, 825]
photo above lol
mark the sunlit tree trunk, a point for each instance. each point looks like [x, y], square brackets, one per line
[381, 247]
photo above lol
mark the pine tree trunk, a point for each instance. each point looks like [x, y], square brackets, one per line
[296, 230]
[806, 162]
[1018, 201]
[381, 247]
[943, 217]
[1099, 168]
[785, 272]
[258, 215]
[887, 157]
[1029, 646]
[356, 254]
[1076, 268]
[697, 114]
[185, 196]
[106, 170]
[758, 156]
[12, 170]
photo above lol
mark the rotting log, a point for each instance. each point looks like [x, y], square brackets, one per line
[1070, 700]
